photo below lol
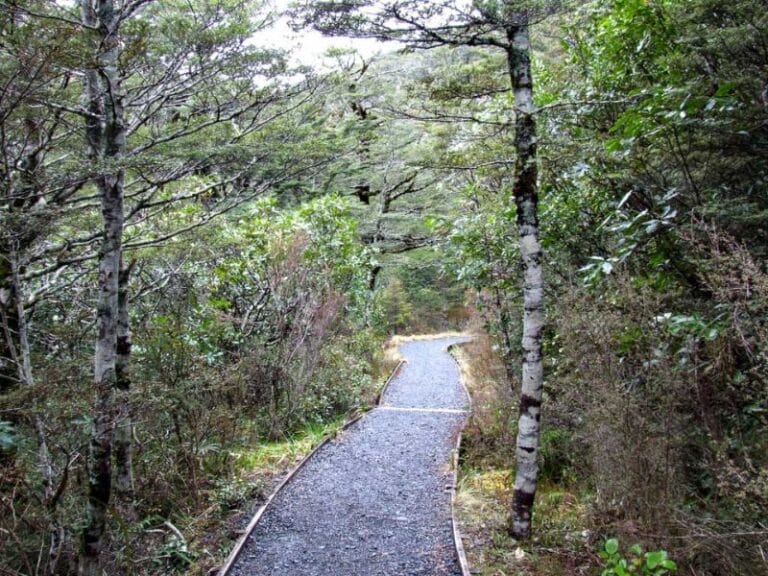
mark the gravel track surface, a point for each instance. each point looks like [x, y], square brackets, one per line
[376, 500]
[429, 379]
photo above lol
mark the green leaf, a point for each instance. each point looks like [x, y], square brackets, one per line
[654, 559]
[612, 546]
[725, 89]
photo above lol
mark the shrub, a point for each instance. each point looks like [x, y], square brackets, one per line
[638, 562]
[556, 450]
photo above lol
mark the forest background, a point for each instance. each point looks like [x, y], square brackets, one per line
[273, 225]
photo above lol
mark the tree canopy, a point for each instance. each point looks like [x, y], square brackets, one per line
[204, 246]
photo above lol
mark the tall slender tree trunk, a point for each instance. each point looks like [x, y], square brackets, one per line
[124, 486]
[100, 454]
[105, 134]
[526, 200]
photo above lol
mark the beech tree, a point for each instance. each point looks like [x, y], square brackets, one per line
[387, 176]
[106, 141]
[33, 188]
[33, 176]
[208, 77]
[135, 139]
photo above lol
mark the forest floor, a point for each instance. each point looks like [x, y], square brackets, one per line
[376, 500]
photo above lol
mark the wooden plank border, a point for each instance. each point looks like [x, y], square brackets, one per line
[380, 395]
[457, 541]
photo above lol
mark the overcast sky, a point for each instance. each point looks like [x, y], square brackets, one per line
[309, 46]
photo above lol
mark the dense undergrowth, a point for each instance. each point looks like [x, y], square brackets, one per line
[278, 232]
[616, 461]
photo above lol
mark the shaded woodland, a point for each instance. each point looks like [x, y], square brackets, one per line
[205, 245]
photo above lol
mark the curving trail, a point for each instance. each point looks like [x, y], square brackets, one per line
[376, 500]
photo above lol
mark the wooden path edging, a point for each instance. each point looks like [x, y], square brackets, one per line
[235, 553]
[457, 541]
[456, 533]
[380, 395]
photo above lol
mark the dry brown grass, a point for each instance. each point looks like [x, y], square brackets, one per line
[489, 435]
[391, 353]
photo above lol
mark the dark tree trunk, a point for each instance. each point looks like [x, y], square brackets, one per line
[9, 378]
[105, 134]
[124, 487]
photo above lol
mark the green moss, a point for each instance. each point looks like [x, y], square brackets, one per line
[272, 456]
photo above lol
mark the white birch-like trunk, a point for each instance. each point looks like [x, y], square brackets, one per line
[105, 134]
[526, 201]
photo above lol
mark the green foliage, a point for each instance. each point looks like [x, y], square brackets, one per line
[485, 251]
[344, 380]
[173, 555]
[394, 308]
[8, 437]
[655, 563]
[653, 183]
[230, 493]
[557, 449]
[259, 320]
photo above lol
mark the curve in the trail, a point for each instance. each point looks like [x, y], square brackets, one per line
[376, 500]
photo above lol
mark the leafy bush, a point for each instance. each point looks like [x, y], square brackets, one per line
[394, 307]
[638, 562]
[8, 438]
[232, 492]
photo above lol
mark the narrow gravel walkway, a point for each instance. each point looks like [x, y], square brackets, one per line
[375, 501]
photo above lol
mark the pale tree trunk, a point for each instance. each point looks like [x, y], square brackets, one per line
[105, 134]
[526, 200]
[100, 453]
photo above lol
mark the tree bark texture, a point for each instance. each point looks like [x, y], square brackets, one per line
[105, 136]
[526, 201]
[124, 486]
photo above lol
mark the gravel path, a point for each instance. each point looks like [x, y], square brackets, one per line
[376, 500]
[430, 379]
